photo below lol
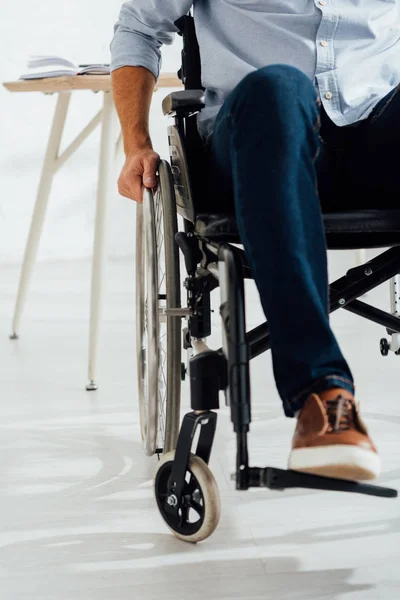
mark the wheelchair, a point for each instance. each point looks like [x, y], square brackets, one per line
[185, 489]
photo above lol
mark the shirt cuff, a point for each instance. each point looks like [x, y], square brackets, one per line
[133, 49]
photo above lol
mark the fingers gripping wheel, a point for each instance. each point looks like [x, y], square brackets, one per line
[158, 334]
[197, 515]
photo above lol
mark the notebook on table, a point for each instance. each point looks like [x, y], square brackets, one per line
[40, 67]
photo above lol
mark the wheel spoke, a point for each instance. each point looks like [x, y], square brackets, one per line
[184, 518]
[197, 507]
[159, 369]
[161, 281]
[160, 237]
[191, 486]
[162, 417]
[164, 378]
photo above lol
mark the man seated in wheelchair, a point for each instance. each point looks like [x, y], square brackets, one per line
[301, 117]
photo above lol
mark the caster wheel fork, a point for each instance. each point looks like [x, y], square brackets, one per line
[185, 489]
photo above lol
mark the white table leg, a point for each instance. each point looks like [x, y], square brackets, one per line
[100, 249]
[39, 213]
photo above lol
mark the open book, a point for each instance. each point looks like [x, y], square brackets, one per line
[40, 67]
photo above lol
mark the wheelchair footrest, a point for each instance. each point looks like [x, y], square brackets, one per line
[280, 479]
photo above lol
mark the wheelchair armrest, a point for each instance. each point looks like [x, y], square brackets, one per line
[183, 102]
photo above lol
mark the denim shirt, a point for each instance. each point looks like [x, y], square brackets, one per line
[350, 49]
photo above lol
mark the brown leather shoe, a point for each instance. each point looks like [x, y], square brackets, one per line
[331, 439]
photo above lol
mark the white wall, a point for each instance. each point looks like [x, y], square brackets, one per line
[81, 31]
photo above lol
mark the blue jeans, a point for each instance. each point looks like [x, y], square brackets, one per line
[277, 153]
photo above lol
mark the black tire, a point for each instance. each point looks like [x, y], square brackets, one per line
[200, 496]
[384, 347]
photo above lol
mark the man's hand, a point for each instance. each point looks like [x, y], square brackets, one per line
[133, 89]
[139, 170]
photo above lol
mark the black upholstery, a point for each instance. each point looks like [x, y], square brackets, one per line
[344, 230]
[186, 100]
[363, 229]
[190, 71]
[219, 228]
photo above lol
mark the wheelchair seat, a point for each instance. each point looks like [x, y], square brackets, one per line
[344, 230]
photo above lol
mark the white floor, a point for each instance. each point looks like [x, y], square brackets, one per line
[77, 516]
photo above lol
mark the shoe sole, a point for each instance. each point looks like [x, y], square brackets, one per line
[338, 461]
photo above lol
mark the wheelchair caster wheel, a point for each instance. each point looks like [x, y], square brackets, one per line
[186, 339]
[384, 347]
[197, 516]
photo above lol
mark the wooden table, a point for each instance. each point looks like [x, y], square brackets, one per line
[53, 161]
[95, 83]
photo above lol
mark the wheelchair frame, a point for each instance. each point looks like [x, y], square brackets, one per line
[209, 264]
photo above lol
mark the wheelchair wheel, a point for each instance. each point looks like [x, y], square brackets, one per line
[200, 510]
[158, 339]
[384, 347]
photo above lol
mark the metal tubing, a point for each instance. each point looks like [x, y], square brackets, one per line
[259, 340]
[395, 295]
[238, 357]
[361, 280]
[374, 314]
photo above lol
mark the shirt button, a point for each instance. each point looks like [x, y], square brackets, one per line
[328, 95]
[324, 43]
[321, 3]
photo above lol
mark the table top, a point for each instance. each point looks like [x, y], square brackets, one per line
[95, 83]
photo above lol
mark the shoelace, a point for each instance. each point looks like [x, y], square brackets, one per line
[340, 413]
